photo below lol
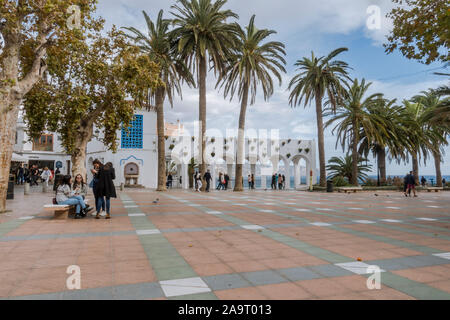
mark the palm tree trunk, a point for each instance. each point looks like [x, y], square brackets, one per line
[382, 164]
[437, 163]
[355, 155]
[319, 114]
[241, 143]
[415, 167]
[159, 99]
[202, 116]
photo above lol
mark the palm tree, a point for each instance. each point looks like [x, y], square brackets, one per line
[353, 117]
[391, 139]
[431, 101]
[440, 114]
[318, 77]
[203, 35]
[421, 135]
[173, 72]
[343, 167]
[252, 63]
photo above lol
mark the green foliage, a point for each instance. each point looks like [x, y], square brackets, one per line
[158, 45]
[201, 30]
[342, 166]
[90, 82]
[318, 77]
[421, 30]
[252, 63]
[340, 181]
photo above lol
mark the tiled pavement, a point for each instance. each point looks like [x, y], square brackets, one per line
[224, 245]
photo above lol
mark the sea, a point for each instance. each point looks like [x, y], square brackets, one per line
[430, 180]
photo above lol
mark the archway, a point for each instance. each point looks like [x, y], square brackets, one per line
[131, 174]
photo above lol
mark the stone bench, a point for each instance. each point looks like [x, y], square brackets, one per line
[435, 189]
[349, 189]
[62, 211]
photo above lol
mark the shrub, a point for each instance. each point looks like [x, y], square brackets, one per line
[340, 181]
[172, 146]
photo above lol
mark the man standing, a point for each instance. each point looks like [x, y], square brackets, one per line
[411, 184]
[169, 181]
[208, 179]
[227, 179]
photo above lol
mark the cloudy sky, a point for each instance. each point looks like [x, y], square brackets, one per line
[303, 26]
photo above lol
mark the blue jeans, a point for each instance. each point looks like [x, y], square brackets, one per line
[75, 201]
[101, 204]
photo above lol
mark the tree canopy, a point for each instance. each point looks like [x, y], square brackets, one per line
[421, 30]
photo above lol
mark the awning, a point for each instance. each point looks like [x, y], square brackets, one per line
[18, 158]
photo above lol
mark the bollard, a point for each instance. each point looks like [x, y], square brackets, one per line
[26, 188]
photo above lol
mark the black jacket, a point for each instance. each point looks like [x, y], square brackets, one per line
[105, 185]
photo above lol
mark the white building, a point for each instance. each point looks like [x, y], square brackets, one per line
[136, 160]
[44, 152]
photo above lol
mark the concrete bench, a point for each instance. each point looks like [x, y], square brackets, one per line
[63, 211]
[435, 189]
[349, 189]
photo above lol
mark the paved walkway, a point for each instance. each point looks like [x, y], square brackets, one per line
[223, 245]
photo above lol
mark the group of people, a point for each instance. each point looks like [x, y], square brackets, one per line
[198, 181]
[74, 192]
[278, 182]
[33, 175]
[251, 181]
[224, 181]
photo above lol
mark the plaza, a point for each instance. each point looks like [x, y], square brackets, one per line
[262, 245]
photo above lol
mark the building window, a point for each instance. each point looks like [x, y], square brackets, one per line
[132, 137]
[44, 143]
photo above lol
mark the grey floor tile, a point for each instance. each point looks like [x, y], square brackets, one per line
[258, 278]
[329, 270]
[89, 294]
[139, 291]
[226, 281]
[298, 274]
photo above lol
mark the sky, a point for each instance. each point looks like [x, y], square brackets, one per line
[303, 26]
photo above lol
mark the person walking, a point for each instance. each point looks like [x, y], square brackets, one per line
[253, 181]
[280, 182]
[208, 179]
[227, 181]
[273, 182]
[95, 171]
[66, 196]
[411, 181]
[46, 176]
[423, 181]
[169, 181]
[194, 178]
[220, 184]
[105, 188]
[199, 183]
[34, 175]
[20, 174]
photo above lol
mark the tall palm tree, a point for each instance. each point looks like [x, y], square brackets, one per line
[353, 117]
[253, 63]
[203, 36]
[317, 78]
[431, 101]
[173, 72]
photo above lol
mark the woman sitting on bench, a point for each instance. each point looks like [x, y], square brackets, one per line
[66, 196]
